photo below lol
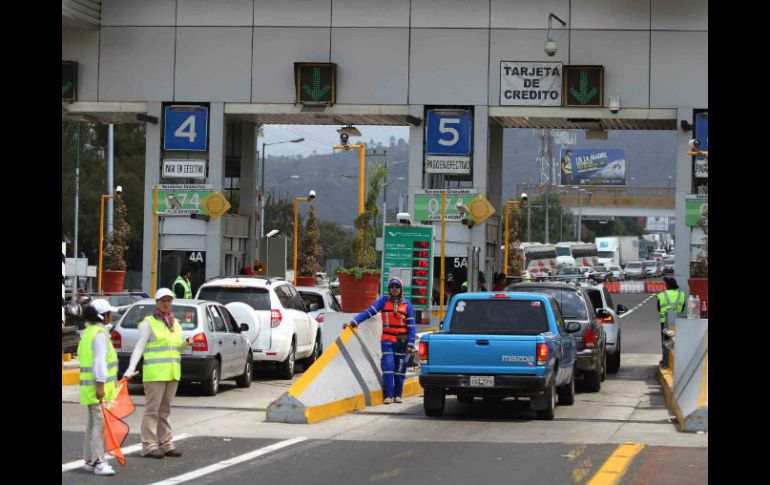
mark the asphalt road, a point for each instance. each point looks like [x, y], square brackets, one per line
[640, 327]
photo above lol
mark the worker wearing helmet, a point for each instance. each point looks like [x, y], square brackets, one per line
[397, 340]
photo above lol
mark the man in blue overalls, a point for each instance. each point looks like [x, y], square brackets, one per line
[397, 339]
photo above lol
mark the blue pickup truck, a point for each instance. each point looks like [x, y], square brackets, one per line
[497, 345]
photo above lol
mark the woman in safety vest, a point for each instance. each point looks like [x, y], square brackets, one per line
[98, 375]
[397, 339]
[160, 343]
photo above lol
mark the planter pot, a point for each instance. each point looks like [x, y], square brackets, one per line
[112, 281]
[700, 287]
[306, 281]
[358, 295]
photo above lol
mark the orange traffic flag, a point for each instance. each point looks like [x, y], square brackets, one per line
[115, 429]
[121, 406]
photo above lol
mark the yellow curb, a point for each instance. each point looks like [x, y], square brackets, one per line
[616, 465]
[66, 357]
[667, 383]
[70, 377]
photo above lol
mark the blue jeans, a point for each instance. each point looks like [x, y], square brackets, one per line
[393, 367]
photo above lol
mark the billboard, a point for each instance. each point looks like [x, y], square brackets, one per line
[592, 166]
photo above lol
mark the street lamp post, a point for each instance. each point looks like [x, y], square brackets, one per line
[262, 184]
[297, 200]
[101, 238]
[267, 250]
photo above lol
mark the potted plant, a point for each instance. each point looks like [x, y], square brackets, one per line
[360, 283]
[114, 272]
[699, 270]
[311, 253]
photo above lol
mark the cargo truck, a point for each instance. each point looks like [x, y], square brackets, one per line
[617, 250]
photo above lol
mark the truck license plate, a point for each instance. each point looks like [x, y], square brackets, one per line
[482, 381]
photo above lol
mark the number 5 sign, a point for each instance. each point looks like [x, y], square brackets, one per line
[186, 128]
[448, 141]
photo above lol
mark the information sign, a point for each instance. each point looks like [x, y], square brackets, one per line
[408, 255]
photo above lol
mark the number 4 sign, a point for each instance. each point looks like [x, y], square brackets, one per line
[186, 128]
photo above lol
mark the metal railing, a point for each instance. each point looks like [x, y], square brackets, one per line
[604, 195]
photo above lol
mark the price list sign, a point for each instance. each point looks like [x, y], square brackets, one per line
[408, 255]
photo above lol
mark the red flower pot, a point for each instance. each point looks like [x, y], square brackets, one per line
[306, 281]
[358, 295]
[700, 287]
[112, 281]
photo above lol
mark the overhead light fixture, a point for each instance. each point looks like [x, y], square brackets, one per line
[349, 130]
[550, 45]
[686, 125]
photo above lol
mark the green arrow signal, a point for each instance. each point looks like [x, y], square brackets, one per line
[66, 88]
[584, 95]
[317, 92]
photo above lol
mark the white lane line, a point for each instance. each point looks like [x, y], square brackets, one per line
[230, 462]
[637, 306]
[129, 449]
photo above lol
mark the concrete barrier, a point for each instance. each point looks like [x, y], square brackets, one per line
[632, 287]
[347, 376]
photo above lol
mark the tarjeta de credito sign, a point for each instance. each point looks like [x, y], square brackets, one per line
[530, 83]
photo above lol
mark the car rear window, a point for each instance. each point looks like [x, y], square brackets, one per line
[187, 315]
[596, 298]
[508, 317]
[309, 298]
[571, 304]
[256, 298]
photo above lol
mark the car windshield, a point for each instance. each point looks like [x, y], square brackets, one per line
[633, 265]
[569, 270]
[668, 260]
[571, 304]
[606, 254]
[499, 316]
[256, 298]
[649, 264]
[186, 314]
[600, 268]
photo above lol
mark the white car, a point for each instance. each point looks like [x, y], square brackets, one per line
[286, 332]
[323, 300]
[617, 273]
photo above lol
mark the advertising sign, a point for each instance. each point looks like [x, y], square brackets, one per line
[183, 199]
[448, 141]
[696, 207]
[530, 83]
[657, 224]
[188, 169]
[593, 166]
[427, 204]
[408, 254]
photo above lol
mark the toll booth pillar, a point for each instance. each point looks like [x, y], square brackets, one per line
[682, 250]
[152, 158]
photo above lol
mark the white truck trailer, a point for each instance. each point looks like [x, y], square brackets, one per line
[617, 250]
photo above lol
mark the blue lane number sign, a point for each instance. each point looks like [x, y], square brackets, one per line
[186, 128]
[448, 141]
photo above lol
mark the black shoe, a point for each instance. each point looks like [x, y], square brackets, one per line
[154, 454]
[175, 453]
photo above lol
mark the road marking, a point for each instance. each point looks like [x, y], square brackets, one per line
[616, 465]
[230, 462]
[637, 306]
[130, 449]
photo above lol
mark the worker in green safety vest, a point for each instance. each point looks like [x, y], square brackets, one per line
[98, 375]
[160, 344]
[182, 288]
[673, 299]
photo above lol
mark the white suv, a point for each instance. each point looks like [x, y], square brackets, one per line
[285, 331]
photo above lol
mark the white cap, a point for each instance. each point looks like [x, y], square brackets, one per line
[102, 306]
[163, 292]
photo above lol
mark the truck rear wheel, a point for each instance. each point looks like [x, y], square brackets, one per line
[433, 401]
[567, 392]
[550, 399]
[592, 381]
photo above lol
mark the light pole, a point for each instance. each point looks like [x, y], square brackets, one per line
[262, 184]
[267, 250]
[119, 190]
[290, 177]
[297, 200]
[77, 208]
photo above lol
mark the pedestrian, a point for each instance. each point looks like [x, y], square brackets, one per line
[673, 299]
[397, 340]
[182, 288]
[499, 282]
[160, 342]
[98, 375]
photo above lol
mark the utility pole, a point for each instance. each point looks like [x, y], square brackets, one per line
[110, 168]
[77, 208]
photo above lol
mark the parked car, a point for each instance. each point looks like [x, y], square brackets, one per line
[323, 300]
[286, 333]
[587, 272]
[601, 298]
[220, 350]
[634, 270]
[651, 269]
[668, 265]
[495, 345]
[616, 273]
[601, 273]
[575, 306]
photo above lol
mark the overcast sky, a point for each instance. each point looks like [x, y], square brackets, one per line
[320, 138]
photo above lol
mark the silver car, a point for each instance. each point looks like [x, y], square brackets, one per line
[634, 270]
[319, 301]
[600, 298]
[219, 351]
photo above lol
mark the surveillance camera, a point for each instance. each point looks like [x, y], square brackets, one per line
[311, 195]
[523, 196]
[694, 144]
[119, 189]
[614, 104]
[551, 47]
[403, 218]
[344, 138]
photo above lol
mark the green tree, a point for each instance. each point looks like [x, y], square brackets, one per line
[560, 220]
[312, 252]
[335, 240]
[362, 249]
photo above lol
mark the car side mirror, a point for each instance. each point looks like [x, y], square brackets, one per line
[573, 327]
[244, 327]
[622, 309]
[313, 307]
[441, 325]
[602, 313]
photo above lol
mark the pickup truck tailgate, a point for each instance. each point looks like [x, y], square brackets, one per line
[483, 354]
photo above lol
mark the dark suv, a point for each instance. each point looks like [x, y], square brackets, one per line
[576, 306]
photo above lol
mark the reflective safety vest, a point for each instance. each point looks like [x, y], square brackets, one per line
[393, 321]
[162, 361]
[186, 285]
[86, 358]
[670, 300]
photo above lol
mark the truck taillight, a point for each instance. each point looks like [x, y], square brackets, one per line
[542, 354]
[275, 318]
[116, 339]
[422, 352]
[200, 343]
[590, 337]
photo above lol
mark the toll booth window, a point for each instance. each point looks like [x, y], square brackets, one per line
[186, 315]
[256, 298]
[506, 317]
